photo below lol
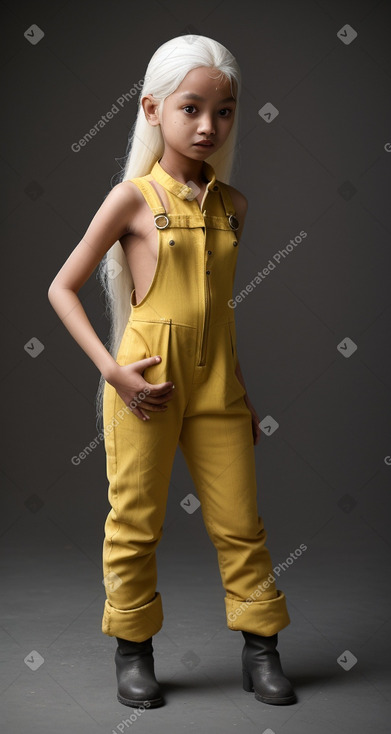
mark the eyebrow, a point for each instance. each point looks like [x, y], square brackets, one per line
[192, 95]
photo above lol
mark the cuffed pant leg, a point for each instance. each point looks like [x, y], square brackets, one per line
[133, 624]
[140, 455]
[219, 452]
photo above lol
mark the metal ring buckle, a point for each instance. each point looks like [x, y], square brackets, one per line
[233, 222]
[159, 216]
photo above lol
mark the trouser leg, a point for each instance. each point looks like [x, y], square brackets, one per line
[139, 456]
[219, 451]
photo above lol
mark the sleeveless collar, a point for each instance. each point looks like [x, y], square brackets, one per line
[178, 188]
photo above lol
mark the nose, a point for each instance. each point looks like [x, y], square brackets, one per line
[206, 125]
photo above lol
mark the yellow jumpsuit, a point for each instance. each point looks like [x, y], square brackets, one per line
[185, 318]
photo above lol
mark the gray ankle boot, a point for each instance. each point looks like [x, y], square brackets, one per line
[137, 685]
[262, 671]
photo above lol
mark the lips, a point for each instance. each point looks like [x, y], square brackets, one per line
[205, 144]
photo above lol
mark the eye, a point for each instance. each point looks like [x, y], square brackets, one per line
[191, 106]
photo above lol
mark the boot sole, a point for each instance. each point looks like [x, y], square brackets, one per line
[269, 699]
[153, 702]
[277, 701]
[249, 688]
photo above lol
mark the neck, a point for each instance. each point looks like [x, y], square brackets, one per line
[183, 169]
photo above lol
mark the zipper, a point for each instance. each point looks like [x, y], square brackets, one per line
[201, 362]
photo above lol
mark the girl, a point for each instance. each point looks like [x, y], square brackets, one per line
[167, 239]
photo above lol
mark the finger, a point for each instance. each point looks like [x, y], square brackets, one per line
[160, 389]
[159, 395]
[140, 414]
[154, 408]
[158, 400]
[145, 404]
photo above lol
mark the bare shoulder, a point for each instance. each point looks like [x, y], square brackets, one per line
[127, 194]
[128, 191]
[123, 194]
[238, 199]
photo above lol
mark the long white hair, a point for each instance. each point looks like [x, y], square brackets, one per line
[166, 70]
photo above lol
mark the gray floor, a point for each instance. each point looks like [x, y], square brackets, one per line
[53, 601]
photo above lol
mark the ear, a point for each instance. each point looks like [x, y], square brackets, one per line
[150, 107]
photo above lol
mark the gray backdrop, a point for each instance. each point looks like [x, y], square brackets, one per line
[313, 341]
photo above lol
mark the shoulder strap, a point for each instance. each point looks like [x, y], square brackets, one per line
[149, 193]
[228, 206]
[226, 197]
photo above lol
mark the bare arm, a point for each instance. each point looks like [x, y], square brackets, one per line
[108, 225]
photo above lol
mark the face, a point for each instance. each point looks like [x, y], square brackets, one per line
[200, 109]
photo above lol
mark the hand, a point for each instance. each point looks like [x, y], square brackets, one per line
[142, 395]
[255, 420]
